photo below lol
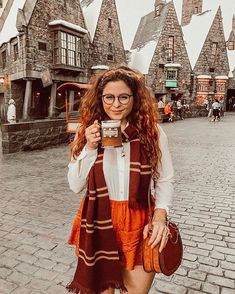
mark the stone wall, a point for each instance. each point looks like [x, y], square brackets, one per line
[157, 73]
[32, 135]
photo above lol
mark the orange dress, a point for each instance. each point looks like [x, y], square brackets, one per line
[128, 225]
[167, 109]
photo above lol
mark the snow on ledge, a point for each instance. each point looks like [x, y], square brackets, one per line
[100, 66]
[172, 65]
[204, 77]
[68, 25]
[221, 77]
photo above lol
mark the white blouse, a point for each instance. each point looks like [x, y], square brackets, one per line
[116, 172]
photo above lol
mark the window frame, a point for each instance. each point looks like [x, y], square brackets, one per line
[171, 74]
[4, 58]
[15, 51]
[231, 45]
[67, 49]
[170, 51]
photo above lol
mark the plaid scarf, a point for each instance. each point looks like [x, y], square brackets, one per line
[98, 266]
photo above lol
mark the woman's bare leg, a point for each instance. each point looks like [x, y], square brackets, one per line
[137, 281]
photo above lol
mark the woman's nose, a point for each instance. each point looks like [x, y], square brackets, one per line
[116, 102]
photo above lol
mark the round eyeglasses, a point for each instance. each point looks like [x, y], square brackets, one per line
[122, 98]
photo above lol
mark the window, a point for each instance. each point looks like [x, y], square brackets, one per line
[67, 49]
[202, 86]
[42, 46]
[4, 58]
[214, 49]
[196, 10]
[157, 10]
[171, 74]
[231, 45]
[170, 55]
[110, 47]
[220, 87]
[109, 23]
[110, 57]
[16, 51]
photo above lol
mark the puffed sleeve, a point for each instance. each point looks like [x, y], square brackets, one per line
[164, 185]
[78, 169]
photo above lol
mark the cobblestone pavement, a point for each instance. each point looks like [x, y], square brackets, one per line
[37, 210]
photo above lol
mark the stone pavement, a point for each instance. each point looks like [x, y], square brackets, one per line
[37, 209]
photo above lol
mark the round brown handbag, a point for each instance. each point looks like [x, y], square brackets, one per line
[171, 256]
[168, 261]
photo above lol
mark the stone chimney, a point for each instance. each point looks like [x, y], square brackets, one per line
[189, 8]
[159, 4]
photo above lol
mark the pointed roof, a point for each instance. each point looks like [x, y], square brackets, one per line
[202, 23]
[129, 14]
[146, 39]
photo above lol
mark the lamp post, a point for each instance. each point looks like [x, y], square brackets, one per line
[3, 102]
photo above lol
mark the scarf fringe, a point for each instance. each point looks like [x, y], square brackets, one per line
[77, 288]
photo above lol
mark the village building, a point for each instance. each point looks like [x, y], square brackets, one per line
[102, 22]
[159, 52]
[207, 48]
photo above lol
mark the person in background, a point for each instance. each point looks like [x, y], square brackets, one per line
[209, 107]
[168, 111]
[112, 220]
[161, 104]
[216, 110]
[179, 109]
[11, 112]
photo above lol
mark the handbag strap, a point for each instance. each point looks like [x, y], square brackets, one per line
[150, 214]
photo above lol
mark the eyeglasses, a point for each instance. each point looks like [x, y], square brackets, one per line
[122, 98]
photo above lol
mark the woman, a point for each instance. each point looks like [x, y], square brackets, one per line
[113, 217]
[168, 111]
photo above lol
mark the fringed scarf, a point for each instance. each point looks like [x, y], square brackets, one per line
[98, 266]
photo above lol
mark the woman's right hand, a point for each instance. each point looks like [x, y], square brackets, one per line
[93, 136]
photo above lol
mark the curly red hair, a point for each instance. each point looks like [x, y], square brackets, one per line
[144, 115]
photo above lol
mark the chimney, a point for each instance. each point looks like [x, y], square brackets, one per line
[189, 8]
[159, 4]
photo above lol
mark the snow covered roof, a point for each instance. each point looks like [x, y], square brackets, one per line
[100, 66]
[146, 40]
[68, 25]
[9, 29]
[141, 58]
[231, 59]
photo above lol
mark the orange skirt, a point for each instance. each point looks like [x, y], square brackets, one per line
[128, 225]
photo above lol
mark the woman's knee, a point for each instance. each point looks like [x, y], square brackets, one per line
[138, 281]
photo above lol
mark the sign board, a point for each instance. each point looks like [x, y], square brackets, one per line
[46, 78]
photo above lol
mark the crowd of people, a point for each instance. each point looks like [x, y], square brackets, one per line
[215, 109]
[173, 109]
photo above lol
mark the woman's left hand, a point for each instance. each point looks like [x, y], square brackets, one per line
[160, 233]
